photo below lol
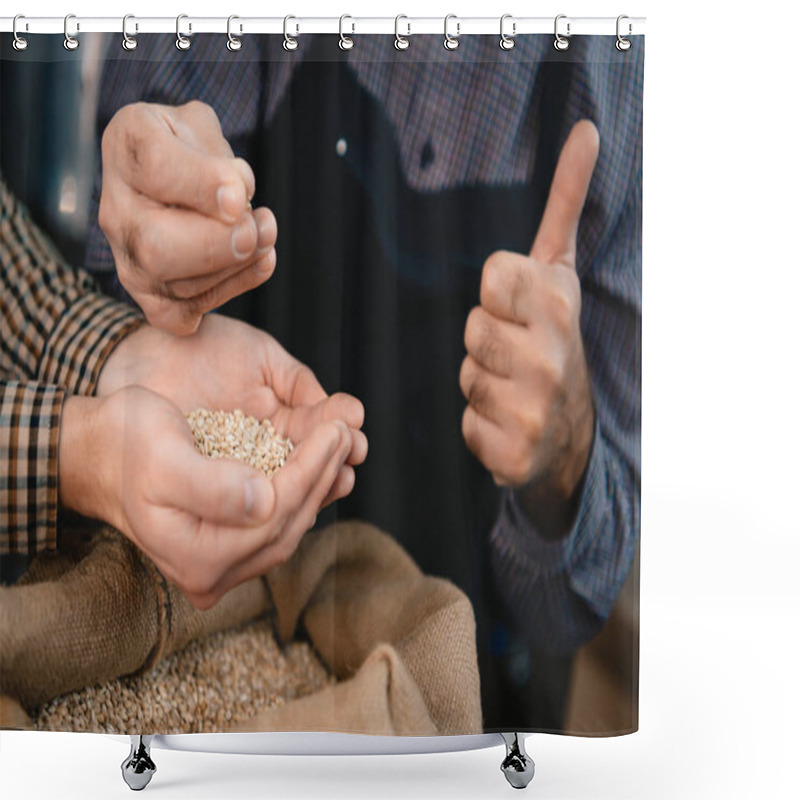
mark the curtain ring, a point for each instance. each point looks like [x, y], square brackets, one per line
[182, 43]
[70, 42]
[20, 43]
[345, 42]
[401, 42]
[233, 44]
[128, 42]
[561, 42]
[289, 43]
[622, 44]
[507, 42]
[451, 42]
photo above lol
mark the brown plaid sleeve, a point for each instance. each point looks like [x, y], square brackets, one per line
[56, 331]
[29, 416]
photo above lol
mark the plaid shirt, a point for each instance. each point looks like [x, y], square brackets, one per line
[55, 333]
[478, 110]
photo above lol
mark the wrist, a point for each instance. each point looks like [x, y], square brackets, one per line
[551, 501]
[127, 363]
[83, 478]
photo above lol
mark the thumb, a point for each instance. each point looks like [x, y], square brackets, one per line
[219, 490]
[556, 239]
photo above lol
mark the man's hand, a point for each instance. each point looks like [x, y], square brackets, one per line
[530, 417]
[207, 524]
[228, 364]
[175, 209]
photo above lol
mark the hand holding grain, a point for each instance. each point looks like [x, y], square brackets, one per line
[530, 417]
[175, 209]
[228, 364]
[207, 524]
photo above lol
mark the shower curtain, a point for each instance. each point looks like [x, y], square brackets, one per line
[423, 265]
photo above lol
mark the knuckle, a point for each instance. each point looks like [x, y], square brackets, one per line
[142, 246]
[108, 142]
[479, 397]
[471, 432]
[123, 131]
[465, 376]
[105, 217]
[189, 317]
[493, 352]
[553, 379]
[494, 272]
[484, 342]
[530, 420]
[152, 162]
[519, 466]
[564, 303]
[130, 242]
[521, 283]
[202, 111]
[472, 328]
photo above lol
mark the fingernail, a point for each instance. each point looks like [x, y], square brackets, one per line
[343, 431]
[229, 201]
[254, 500]
[243, 238]
[262, 268]
[248, 176]
[266, 238]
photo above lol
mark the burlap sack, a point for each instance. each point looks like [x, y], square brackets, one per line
[401, 644]
[97, 610]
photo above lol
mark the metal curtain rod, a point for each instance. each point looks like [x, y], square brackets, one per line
[190, 25]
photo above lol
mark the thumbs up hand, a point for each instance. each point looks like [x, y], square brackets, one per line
[529, 415]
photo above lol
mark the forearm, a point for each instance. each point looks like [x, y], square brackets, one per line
[55, 328]
[560, 592]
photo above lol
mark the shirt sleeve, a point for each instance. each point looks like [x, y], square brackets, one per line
[560, 593]
[56, 332]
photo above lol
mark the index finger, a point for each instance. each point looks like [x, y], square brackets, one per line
[143, 147]
[299, 489]
[293, 383]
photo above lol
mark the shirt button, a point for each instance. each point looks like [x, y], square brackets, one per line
[341, 147]
[426, 156]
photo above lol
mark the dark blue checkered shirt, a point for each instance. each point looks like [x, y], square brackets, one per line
[479, 109]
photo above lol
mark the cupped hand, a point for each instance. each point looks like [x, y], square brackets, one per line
[228, 364]
[207, 524]
[175, 207]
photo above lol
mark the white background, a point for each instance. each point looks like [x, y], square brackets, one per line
[720, 606]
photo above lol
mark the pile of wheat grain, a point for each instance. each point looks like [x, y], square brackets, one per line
[213, 682]
[218, 680]
[232, 434]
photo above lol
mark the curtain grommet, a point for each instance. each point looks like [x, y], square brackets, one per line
[561, 43]
[451, 42]
[289, 42]
[234, 44]
[622, 44]
[128, 42]
[20, 43]
[182, 42]
[345, 42]
[507, 42]
[401, 42]
[70, 42]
